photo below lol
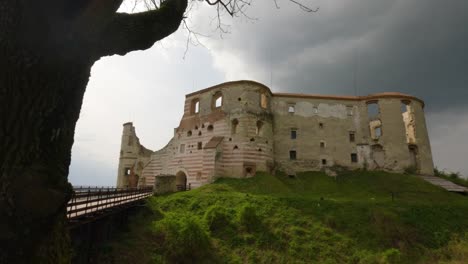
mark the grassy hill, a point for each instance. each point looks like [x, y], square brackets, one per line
[357, 217]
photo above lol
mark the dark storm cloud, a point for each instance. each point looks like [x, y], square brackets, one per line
[412, 46]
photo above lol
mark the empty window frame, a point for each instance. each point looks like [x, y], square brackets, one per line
[293, 133]
[322, 144]
[199, 145]
[324, 162]
[321, 125]
[189, 133]
[373, 109]
[291, 109]
[378, 132]
[352, 136]
[354, 158]
[195, 106]
[263, 100]
[234, 124]
[292, 155]
[405, 105]
[217, 100]
[259, 128]
[127, 171]
[210, 128]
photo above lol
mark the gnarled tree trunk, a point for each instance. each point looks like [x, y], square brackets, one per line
[47, 49]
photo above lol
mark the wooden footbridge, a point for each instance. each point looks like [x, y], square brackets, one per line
[87, 204]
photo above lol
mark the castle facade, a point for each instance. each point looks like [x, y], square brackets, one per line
[237, 128]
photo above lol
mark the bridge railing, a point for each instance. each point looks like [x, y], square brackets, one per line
[90, 200]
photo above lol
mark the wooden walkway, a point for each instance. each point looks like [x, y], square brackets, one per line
[89, 203]
[447, 185]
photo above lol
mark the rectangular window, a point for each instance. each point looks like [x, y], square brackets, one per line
[378, 132]
[315, 109]
[182, 148]
[292, 155]
[352, 137]
[291, 109]
[293, 133]
[321, 125]
[354, 158]
[199, 145]
[324, 162]
[322, 144]
[127, 171]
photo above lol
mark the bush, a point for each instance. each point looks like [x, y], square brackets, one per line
[184, 239]
[217, 218]
[249, 219]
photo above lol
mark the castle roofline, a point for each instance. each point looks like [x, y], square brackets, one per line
[369, 97]
[375, 96]
[228, 83]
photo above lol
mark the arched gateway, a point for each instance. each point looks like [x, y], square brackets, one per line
[181, 181]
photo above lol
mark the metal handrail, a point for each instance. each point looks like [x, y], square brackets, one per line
[91, 200]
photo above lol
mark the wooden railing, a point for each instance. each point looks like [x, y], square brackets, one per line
[86, 201]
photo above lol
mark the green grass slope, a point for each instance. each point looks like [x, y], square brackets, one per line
[357, 217]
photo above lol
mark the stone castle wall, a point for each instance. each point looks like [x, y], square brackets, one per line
[234, 129]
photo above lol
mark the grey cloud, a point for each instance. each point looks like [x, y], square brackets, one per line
[416, 47]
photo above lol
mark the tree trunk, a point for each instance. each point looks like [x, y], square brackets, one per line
[47, 49]
[40, 102]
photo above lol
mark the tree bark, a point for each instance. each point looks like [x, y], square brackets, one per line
[46, 54]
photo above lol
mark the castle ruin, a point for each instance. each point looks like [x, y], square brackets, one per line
[237, 128]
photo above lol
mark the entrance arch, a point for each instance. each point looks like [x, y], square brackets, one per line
[181, 181]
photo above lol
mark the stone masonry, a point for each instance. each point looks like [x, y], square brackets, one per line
[237, 128]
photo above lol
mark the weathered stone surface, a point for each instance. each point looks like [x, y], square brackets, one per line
[257, 130]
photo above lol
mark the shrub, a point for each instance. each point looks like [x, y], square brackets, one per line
[217, 218]
[184, 239]
[249, 218]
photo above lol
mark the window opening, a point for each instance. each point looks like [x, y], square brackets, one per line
[293, 133]
[352, 137]
[324, 162]
[321, 125]
[217, 100]
[199, 145]
[259, 127]
[322, 144]
[234, 124]
[373, 109]
[263, 100]
[182, 148]
[189, 133]
[292, 155]
[354, 158]
[378, 132]
[291, 109]
[127, 171]
[210, 128]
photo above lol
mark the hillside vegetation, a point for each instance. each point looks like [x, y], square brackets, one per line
[357, 217]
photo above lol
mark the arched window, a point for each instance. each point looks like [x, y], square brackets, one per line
[234, 124]
[210, 128]
[259, 127]
[217, 101]
[189, 133]
[195, 106]
[263, 100]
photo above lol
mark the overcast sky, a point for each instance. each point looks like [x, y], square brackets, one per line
[411, 46]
